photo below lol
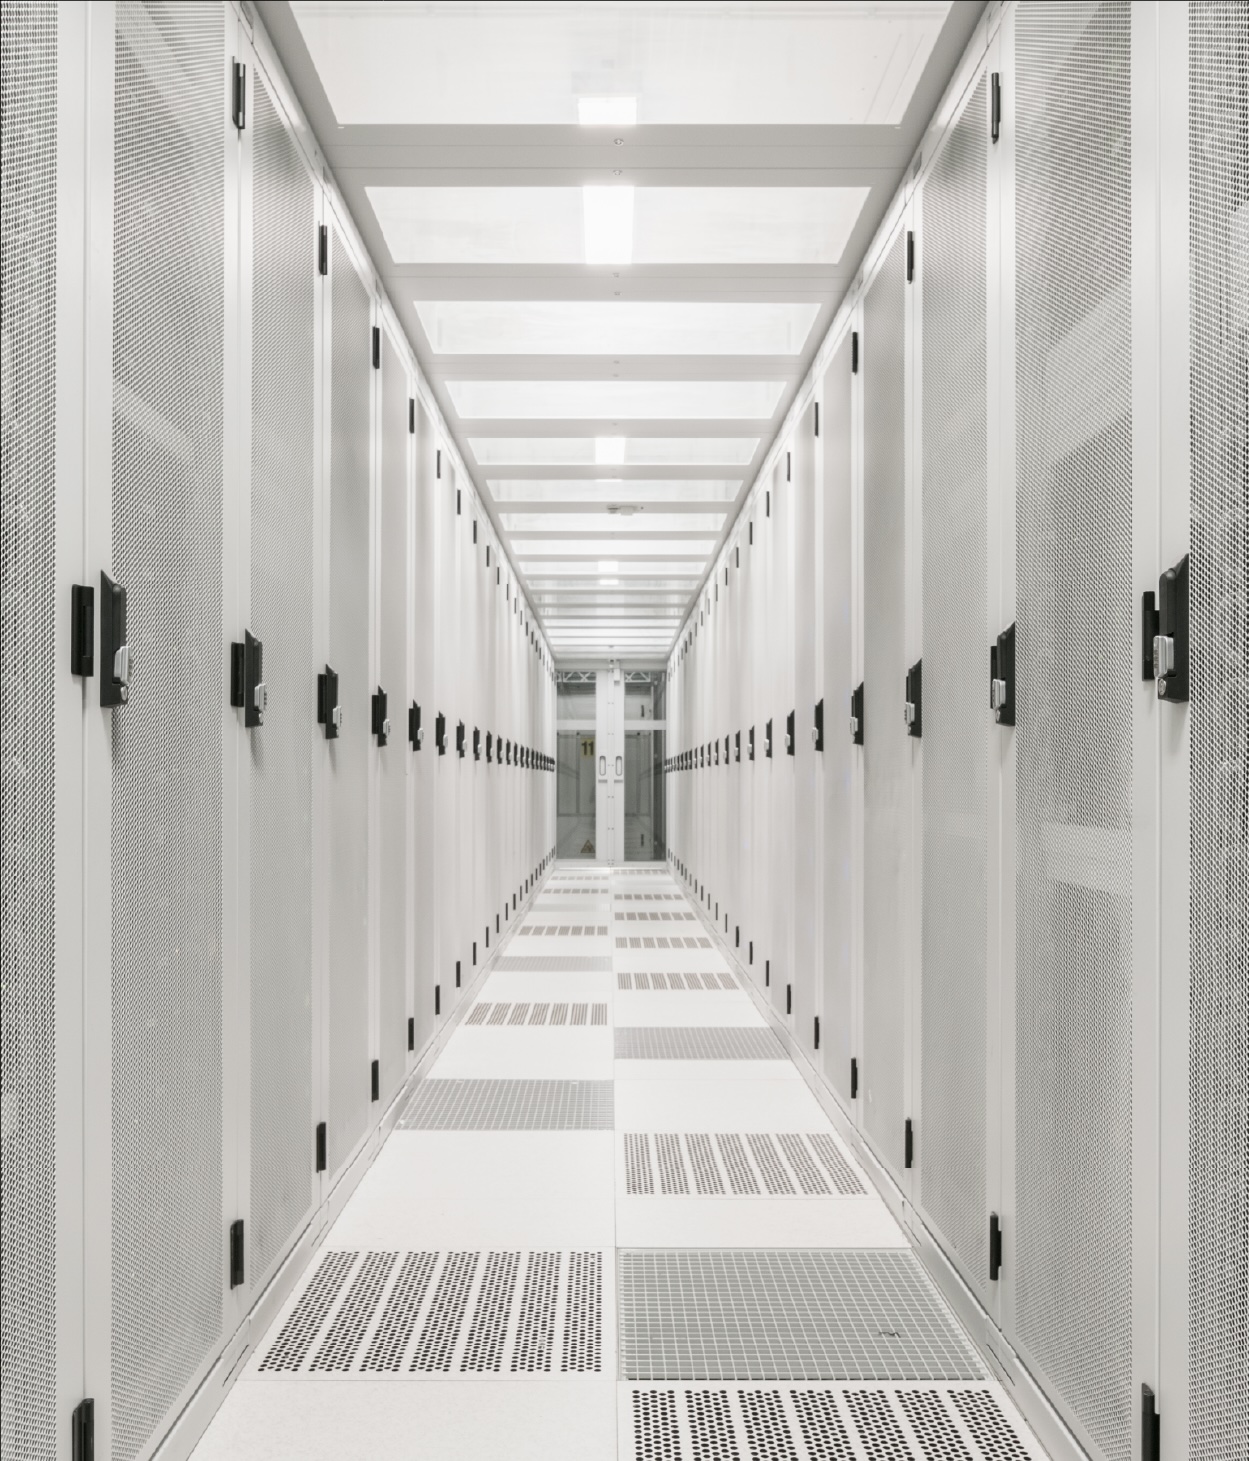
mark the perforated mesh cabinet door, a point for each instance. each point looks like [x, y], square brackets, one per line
[350, 371]
[28, 179]
[954, 1032]
[836, 1033]
[1074, 708]
[885, 753]
[168, 339]
[1219, 710]
[393, 757]
[425, 761]
[283, 381]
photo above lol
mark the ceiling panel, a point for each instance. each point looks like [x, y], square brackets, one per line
[652, 400]
[642, 451]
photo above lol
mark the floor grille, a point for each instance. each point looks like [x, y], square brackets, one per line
[696, 1042]
[509, 1105]
[773, 1314]
[789, 1164]
[487, 1013]
[563, 930]
[658, 979]
[660, 941]
[461, 1313]
[663, 915]
[836, 1423]
[553, 964]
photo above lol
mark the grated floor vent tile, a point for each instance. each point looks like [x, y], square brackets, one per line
[509, 1105]
[690, 980]
[785, 1163]
[562, 930]
[771, 1314]
[487, 1013]
[696, 1042]
[769, 1165]
[838, 1423]
[464, 1313]
[553, 964]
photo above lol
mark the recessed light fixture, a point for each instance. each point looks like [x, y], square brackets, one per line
[607, 111]
[608, 565]
[607, 217]
[609, 583]
[609, 451]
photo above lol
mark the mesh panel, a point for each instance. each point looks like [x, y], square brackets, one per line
[28, 37]
[283, 382]
[1075, 663]
[168, 314]
[885, 748]
[350, 366]
[393, 652]
[1219, 971]
[956, 719]
[836, 1032]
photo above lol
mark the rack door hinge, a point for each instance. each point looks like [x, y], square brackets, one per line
[320, 1146]
[82, 630]
[329, 711]
[1170, 637]
[1151, 1426]
[995, 106]
[248, 692]
[114, 648]
[1002, 677]
[375, 1080]
[237, 1272]
[856, 714]
[913, 705]
[238, 96]
[817, 730]
[995, 1247]
[82, 1431]
[910, 256]
[909, 1144]
[854, 1077]
[381, 719]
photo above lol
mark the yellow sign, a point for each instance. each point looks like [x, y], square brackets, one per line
[587, 747]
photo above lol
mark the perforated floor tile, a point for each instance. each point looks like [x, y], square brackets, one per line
[716, 1164]
[914, 1422]
[805, 1314]
[696, 1042]
[514, 1105]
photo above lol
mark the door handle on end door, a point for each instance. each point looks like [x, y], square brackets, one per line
[619, 767]
[602, 767]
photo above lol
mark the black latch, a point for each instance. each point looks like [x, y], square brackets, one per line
[329, 711]
[375, 1080]
[750, 744]
[323, 249]
[716, 762]
[411, 1032]
[909, 1144]
[489, 747]
[440, 733]
[476, 744]
[791, 736]
[816, 1034]
[507, 752]
[789, 999]
[737, 745]
[854, 1077]
[1002, 677]
[238, 96]
[82, 630]
[995, 106]
[910, 256]
[856, 714]
[817, 736]
[728, 747]
[411, 415]
[377, 348]
[236, 1253]
[320, 1146]
[1151, 1426]
[437, 1000]
[82, 1431]
[460, 741]
[913, 707]
[1170, 638]
[995, 1247]
[767, 741]
[114, 650]
[854, 352]
[415, 734]
[381, 721]
[247, 686]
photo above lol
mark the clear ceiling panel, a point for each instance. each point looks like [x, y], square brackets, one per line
[621, 548]
[640, 451]
[613, 327]
[672, 492]
[824, 64]
[647, 522]
[653, 400]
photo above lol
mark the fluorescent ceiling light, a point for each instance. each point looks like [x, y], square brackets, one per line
[609, 583]
[607, 221]
[609, 451]
[539, 225]
[614, 400]
[639, 451]
[608, 565]
[607, 111]
[614, 327]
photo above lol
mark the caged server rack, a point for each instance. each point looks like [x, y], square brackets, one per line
[989, 592]
[245, 577]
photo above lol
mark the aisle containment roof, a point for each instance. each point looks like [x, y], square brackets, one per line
[616, 235]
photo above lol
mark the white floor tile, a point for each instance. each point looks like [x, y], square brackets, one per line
[527, 1052]
[507, 985]
[670, 1101]
[716, 1072]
